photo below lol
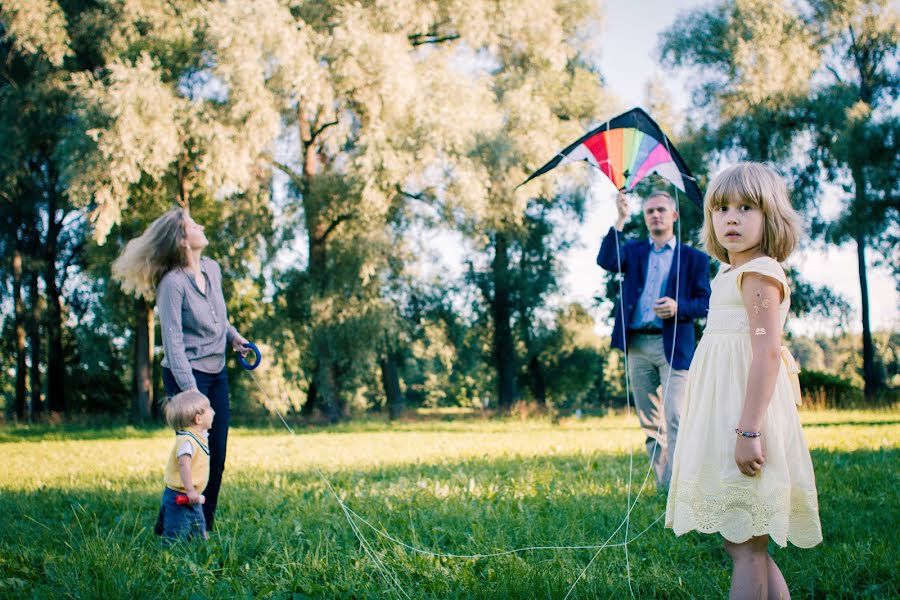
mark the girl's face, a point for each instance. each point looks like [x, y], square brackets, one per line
[194, 238]
[738, 226]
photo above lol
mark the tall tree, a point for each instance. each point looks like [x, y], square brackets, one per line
[536, 277]
[771, 72]
[37, 62]
[857, 133]
[752, 64]
[145, 134]
[358, 103]
[544, 93]
[19, 309]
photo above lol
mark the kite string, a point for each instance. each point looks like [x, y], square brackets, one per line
[628, 506]
[420, 550]
[620, 278]
[392, 579]
[389, 577]
[665, 391]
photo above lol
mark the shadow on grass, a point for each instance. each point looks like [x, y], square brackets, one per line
[438, 423]
[281, 534]
[852, 424]
[78, 432]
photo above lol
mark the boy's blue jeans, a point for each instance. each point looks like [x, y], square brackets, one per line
[181, 521]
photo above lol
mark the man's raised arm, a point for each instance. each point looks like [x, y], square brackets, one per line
[609, 257]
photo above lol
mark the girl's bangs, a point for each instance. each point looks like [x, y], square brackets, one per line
[715, 199]
[734, 186]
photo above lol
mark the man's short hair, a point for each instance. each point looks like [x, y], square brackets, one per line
[664, 194]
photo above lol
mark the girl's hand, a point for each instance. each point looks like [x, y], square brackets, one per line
[749, 455]
[194, 497]
[239, 343]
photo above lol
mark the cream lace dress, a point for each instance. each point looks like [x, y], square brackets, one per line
[707, 492]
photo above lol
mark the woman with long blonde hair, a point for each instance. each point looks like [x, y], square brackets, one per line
[166, 261]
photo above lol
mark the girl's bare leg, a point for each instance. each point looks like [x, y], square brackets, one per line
[749, 575]
[778, 589]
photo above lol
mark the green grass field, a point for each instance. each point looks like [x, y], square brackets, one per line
[77, 508]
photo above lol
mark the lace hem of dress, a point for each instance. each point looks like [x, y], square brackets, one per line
[735, 512]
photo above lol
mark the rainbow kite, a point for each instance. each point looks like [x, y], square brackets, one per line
[627, 149]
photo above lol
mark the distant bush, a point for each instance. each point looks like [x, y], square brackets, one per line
[95, 393]
[824, 390]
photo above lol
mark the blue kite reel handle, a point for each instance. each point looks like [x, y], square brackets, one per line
[243, 362]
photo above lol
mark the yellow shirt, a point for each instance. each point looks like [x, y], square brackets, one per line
[199, 462]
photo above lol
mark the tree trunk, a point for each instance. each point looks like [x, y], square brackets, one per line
[323, 377]
[34, 334]
[870, 373]
[326, 388]
[159, 391]
[324, 383]
[19, 308]
[312, 396]
[538, 383]
[504, 350]
[56, 360]
[390, 380]
[142, 405]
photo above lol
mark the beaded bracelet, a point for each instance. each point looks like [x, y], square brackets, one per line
[748, 434]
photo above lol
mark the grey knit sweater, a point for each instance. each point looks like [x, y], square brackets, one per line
[195, 327]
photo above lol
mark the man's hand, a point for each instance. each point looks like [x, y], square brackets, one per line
[665, 308]
[622, 209]
[239, 343]
[748, 455]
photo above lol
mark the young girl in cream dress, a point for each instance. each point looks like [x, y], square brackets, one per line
[743, 469]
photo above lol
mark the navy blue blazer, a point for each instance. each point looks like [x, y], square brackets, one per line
[693, 292]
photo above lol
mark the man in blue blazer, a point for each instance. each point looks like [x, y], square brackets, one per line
[656, 323]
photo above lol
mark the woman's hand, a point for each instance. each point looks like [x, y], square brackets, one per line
[239, 344]
[749, 455]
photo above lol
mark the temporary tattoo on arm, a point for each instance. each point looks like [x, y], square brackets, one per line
[764, 303]
[760, 331]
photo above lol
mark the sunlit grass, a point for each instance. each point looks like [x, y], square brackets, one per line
[78, 505]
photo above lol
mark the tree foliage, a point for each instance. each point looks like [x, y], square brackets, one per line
[326, 144]
[808, 86]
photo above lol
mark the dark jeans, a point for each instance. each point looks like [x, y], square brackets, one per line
[181, 521]
[214, 387]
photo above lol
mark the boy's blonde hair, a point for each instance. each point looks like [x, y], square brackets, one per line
[761, 186]
[181, 409]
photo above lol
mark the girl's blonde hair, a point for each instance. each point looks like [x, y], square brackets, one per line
[761, 186]
[182, 408]
[147, 258]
